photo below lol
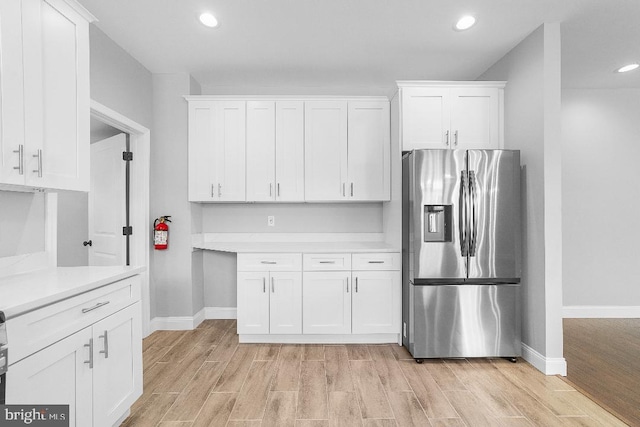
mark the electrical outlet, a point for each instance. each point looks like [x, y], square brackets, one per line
[271, 221]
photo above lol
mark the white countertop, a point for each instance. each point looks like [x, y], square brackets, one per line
[292, 242]
[29, 291]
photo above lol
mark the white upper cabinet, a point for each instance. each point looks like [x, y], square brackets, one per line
[347, 150]
[45, 70]
[368, 151]
[275, 151]
[325, 155]
[452, 115]
[217, 151]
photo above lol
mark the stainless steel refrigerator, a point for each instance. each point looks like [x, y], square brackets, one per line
[461, 253]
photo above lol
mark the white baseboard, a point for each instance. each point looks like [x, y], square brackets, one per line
[546, 365]
[220, 313]
[321, 339]
[600, 312]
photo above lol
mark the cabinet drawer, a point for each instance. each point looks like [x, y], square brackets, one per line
[269, 262]
[377, 261]
[326, 262]
[37, 329]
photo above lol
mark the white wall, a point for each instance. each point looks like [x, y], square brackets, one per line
[532, 125]
[600, 200]
[73, 228]
[22, 218]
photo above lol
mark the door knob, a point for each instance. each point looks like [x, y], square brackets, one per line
[87, 243]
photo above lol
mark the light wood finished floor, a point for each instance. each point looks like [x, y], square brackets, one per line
[603, 360]
[205, 378]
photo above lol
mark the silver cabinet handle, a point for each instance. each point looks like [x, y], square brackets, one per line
[90, 346]
[356, 284]
[447, 138]
[105, 336]
[343, 191]
[270, 189]
[219, 190]
[327, 262]
[212, 194]
[376, 262]
[278, 189]
[268, 262]
[264, 285]
[38, 155]
[352, 189]
[273, 286]
[455, 138]
[347, 285]
[20, 166]
[98, 305]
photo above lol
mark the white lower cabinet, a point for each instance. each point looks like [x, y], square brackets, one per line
[269, 302]
[375, 299]
[326, 303]
[97, 370]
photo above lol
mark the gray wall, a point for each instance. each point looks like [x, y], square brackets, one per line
[600, 197]
[22, 217]
[532, 125]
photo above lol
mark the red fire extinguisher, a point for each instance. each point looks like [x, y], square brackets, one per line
[161, 232]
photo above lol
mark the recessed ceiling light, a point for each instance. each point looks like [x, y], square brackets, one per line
[627, 68]
[208, 20]
[465, 23]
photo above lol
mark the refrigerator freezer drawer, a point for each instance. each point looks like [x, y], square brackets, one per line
[465, 321]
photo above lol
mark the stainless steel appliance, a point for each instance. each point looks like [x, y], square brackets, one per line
[4, 362]
[461, 253]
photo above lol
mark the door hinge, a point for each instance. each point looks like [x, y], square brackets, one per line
[127, 231]
[127, 156]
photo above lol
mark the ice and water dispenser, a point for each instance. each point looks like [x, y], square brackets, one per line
[437, 223]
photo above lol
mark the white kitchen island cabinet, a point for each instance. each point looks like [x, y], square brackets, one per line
[451, 115]
[327, 302]
[44, 114]
[217, 151]
[84, 350]
[275, 151]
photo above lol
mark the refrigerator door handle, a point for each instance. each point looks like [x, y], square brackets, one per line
[473, 224]
[462, 215]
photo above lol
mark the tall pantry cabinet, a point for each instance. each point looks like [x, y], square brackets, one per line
[44, 87]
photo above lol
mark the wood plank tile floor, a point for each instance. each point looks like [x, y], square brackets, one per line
[205, 378]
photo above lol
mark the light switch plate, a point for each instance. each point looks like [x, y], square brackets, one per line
[271, 221]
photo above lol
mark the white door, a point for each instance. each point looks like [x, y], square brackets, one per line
[107, 202]
[58, 375]
[261, 151]
[475, 118]
[117, 367]
[253, 303]
[285, 306]
[326, 302]
[11, 97]
[56, 91]
[425, 118]
[289, 151]
[369, 150]
[203, 185]
[376, 297]
[325, 150]
[230, 140]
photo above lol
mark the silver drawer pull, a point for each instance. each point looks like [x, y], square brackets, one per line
[376, 262]
[268, 262]
[98, 305]
[327, 262]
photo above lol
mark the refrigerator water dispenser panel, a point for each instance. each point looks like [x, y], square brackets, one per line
[437, 223]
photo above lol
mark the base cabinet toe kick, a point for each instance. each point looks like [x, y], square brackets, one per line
[319, 298]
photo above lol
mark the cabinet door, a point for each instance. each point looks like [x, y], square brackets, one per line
[368, 151]
[475, 118]
[326, 302]
[11, 96]
[57, 375]
[230, 151]
[285, 303]
[289, 151]
[202, 179]
[325, 150]
[56, 91]
[425, 118]
[261, 151]
[253, 303]
[376, 302]
[117, 370]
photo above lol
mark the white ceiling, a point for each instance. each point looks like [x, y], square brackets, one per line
[364, 45]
